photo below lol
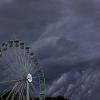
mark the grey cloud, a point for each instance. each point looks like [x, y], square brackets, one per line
[85, 8]
[77, 36]
[60, 51]
[2, 2]
[26, 19]
[86, 82]
[58, 84]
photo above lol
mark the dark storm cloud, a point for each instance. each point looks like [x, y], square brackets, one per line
[74, 37]
[26, 19]
[2, 2]
[85, 8]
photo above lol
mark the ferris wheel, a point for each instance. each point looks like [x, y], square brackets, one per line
[21, 74]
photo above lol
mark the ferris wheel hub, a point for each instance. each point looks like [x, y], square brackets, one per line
[29, 77]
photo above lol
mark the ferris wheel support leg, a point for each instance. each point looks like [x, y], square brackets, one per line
[28, 91]
[42, 97]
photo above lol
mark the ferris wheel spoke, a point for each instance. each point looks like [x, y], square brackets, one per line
[22, 64]
[28, 62]
[11, 91]
[23, 60]
[9, 58]
[14, 94]
[5, 61]
[8, 81]
[32, 67]
[25, 57]
[32, 64]
[24, 92]
[5, 91]
[22, 56]
[17, 61]
[8, 89]
[33, 70]
[1, 98]
[18, 58]
[16, 91]
[20, 92]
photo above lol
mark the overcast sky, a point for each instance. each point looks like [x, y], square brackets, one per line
[65, 34]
